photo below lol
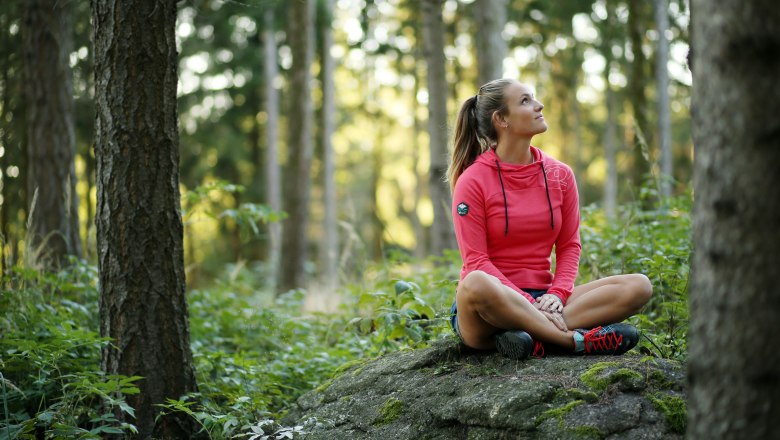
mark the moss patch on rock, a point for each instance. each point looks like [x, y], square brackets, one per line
[558, 413]
[603, 374]
[673, 407]
[389, 411]
[578, 394]
[587, 432]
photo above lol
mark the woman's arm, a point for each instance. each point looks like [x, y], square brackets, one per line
[567, 245]
[468, 213]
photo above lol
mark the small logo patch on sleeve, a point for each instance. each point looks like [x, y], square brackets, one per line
[463, 208]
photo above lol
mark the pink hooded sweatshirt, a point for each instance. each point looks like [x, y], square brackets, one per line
[508, 217]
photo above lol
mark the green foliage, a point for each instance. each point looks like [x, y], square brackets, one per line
[655, 243]
[257, 353]
[51, 381]
[206, 198]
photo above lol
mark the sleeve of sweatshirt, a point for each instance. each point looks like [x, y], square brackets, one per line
[468, 213]
[567, 245]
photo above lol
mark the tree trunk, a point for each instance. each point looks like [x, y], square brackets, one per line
[489, 20]
[377, 227]
[4, 236]
[53, 232]
[421, 240]
[273, 181]
[610, 151]
[442, 235]
[610, 138]
[636, 92]
[733, 363]
[300, 145]
[143, 308]
[329, 251]
[662, 86]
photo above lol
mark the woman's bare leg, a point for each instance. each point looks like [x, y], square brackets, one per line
[486, 307]
[606, 301]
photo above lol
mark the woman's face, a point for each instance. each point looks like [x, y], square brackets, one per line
[523, 116]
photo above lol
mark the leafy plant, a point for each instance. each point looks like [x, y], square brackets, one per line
[656, 243]
[51, 381]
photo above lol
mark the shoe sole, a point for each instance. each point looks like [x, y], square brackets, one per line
[514, 345]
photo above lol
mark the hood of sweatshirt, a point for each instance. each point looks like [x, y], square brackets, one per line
[517, 176]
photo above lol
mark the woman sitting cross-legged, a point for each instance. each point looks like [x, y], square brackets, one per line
[512, 203]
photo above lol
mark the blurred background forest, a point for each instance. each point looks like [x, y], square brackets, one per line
[323, 179]
[607, 118]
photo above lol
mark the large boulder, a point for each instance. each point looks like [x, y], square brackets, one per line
[449, 392]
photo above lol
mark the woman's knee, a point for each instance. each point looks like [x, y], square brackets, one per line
[477, 289]
[640, 289]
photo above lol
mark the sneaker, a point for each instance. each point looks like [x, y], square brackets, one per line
[613, 339]
[514, 344]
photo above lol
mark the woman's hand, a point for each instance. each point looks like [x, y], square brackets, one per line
[550, 303]
[555, 317]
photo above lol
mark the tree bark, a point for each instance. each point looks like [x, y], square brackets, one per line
[636, 92]
[143, 308]
[329, 251]
[272, 174]
[489, 19]
[442, 234]
[662, 86]
[610, 151]
[421, 239]
[53, 232]
[733, 362]
[300, 146]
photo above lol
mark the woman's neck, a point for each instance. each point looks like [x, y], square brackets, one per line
[517, 152]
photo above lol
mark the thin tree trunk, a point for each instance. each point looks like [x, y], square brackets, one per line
[636, 90]
[4, 238]
[610, 138]
[442, 235]
[489, 19]
[48, 89]
[421, 241]
[579, 161]
[662, 85]
[610, 151]
[329, 251]
[89, 178]
[300, 145]
[273, 180]
[143, 308]
[376, 247]
[734, 363]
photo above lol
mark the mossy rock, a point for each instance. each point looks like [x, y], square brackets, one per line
[448, 392]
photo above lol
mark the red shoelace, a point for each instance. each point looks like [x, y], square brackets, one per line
[538, 349]
[602, 341]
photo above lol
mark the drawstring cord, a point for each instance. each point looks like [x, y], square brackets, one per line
[549, 203]
[506, 209]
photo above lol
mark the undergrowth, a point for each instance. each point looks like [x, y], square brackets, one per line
[256, 353]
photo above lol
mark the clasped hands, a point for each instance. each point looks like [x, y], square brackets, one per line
[552, 307]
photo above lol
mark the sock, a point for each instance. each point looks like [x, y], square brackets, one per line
[579, 342]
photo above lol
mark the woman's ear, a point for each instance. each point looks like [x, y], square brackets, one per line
[498, 119]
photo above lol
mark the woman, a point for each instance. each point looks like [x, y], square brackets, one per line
[511, 204]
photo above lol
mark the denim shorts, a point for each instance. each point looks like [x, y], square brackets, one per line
[536, 293]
